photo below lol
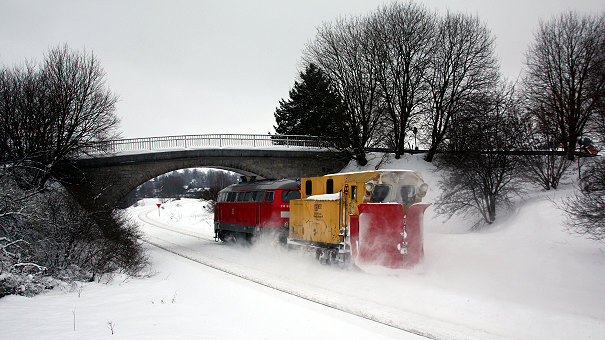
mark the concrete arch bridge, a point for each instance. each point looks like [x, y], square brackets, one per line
[102, 180]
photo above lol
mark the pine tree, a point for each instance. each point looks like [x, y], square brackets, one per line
[313, 109]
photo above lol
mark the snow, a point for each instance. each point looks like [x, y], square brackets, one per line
[524, 278]
[183, 300]
[325, 197]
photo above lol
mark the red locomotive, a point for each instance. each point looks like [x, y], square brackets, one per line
[246, 209]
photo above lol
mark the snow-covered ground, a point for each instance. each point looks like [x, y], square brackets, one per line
[524, 278]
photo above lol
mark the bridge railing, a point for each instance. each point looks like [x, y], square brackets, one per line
[212, 140]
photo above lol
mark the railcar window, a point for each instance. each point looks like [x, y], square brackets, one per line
[257, 196]
[243, 196]
[308, 188]
[269, 196]
[286, 196]
[380, 193]
[408, 194]
[330, 186]
[231, 196]
[354, 192]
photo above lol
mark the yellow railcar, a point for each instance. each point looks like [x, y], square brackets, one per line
[329, 207]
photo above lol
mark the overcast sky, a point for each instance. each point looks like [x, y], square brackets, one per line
[208, 66]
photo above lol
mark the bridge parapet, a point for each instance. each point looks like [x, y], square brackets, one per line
[211, 140]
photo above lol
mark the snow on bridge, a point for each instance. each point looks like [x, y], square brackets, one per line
[240, 141]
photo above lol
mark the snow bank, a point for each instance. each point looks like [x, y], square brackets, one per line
[523, 278]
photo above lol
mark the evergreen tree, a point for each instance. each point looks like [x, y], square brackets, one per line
[313, 109]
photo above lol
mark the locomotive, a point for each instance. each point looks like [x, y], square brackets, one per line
[361, 218]
[246, 209]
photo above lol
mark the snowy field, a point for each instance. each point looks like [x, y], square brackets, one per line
[524, 278]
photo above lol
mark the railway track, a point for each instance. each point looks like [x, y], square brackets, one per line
[297, 294]
[144, 216]
[316, 295]
[162, 244]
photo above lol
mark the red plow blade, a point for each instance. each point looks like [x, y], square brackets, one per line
[385, 235]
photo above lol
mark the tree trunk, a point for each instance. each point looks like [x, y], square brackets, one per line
[399, 151]
[430, 154]
[492, 210]
[361, 159]
[571, 148]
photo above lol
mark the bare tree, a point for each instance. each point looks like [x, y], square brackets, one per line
[404, 35]
[346, 54]
[217, 181]
[462, 65]
[564, 81]
[50, 114]
[545, 170]
[25, 128]
[54, 112]
[171, 185]
[221, 179]
[586, 210]
[477, 183]
[596, 127]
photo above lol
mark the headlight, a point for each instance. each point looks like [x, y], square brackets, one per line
[369, 186]
[423, 189]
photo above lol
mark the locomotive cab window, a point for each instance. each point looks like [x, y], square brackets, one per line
[231, 196]
[408, 194]
[269, 196]
[330, 186]
[380, 193]
[308, 188]
[286, 196]
[354, 192]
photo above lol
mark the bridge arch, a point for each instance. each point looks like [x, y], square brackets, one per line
[103, 182]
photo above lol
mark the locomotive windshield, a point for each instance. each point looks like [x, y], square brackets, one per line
[408, 194]
[380, 193]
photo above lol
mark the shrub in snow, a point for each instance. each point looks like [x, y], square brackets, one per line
[48, 233]
[586, 210]
[545, 170]
[477, 185]
[25, 284]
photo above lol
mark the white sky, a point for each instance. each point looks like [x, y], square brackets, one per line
[207, 66]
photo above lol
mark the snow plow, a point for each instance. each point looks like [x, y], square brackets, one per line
[361, 218]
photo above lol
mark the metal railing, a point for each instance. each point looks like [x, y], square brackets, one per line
[210, 140]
